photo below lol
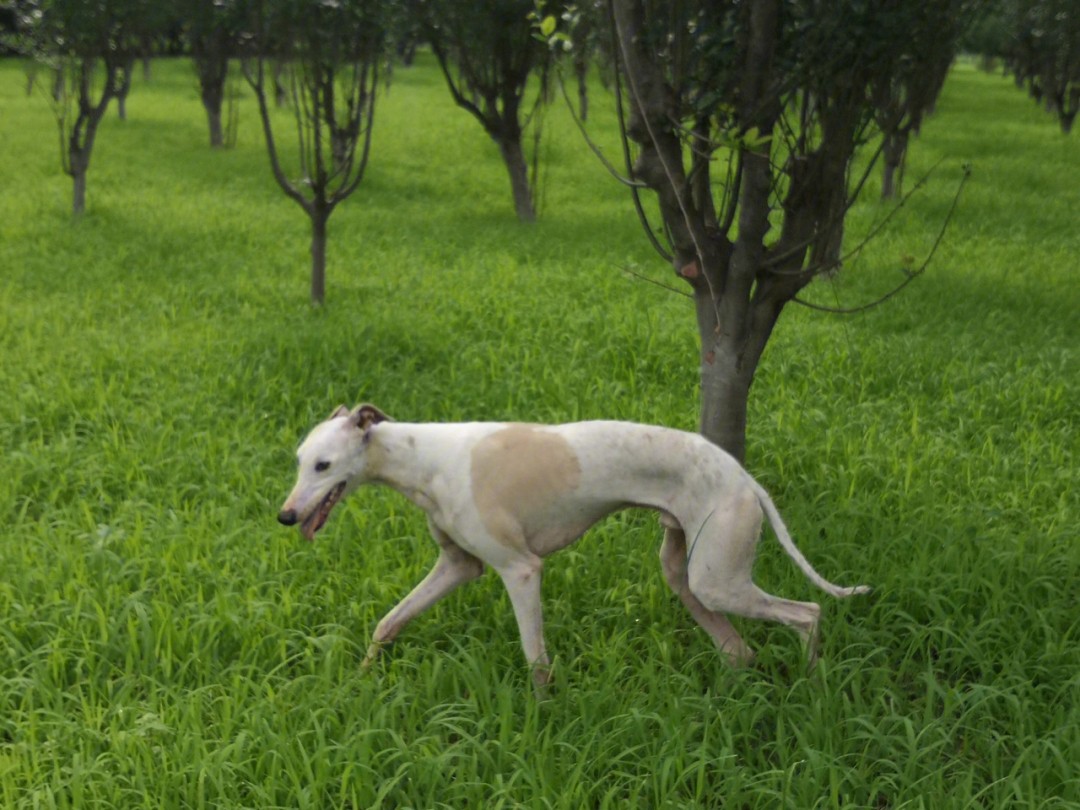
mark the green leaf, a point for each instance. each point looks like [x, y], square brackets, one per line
[547, 27]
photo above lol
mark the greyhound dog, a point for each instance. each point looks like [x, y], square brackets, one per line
[507, 495]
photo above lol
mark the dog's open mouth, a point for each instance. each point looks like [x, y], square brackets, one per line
[318, 517]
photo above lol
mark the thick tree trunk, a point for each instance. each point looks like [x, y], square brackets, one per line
[121, 107]
[514, 157]
[725, 393]
[146, 72]
[318, 256]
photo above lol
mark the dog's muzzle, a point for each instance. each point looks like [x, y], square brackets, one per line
[314, 521]
[287, 517]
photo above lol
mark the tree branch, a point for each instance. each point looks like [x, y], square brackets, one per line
[911, 276]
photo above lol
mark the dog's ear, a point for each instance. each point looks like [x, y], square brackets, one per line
[340, 411]
[367, 415]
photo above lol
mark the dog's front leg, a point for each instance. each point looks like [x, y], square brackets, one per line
[522, 580]
[454, 567]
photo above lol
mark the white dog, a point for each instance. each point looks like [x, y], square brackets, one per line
[510, 494]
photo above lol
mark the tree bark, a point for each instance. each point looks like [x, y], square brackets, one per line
[78, 197]
[318, 256]
[122, 93]
[146, 72]
[581, 71]
[514, 157]
[212, 75]
[214, 117]
[892, 158]
[281, 97]
[725, 394]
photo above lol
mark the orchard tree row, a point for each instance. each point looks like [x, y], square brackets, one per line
[1039, 43]
[745, 120]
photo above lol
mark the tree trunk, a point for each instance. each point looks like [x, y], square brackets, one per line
[122, 93]
[212, 81]
[581, 70]
[893, 157]
[80, 139]
[214, 117]
[514, 158]
[725, 392]
[78, 199]
[318, 256]
[281, 97]
[146, 69]
[888, 189]
[1067, 122]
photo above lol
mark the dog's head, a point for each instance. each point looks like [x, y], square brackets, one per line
[332, 462]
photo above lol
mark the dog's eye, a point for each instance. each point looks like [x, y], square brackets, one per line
[322, 466]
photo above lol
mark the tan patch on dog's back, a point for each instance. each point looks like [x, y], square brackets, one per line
[517, 474]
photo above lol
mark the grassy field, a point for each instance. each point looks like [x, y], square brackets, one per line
[164, 643]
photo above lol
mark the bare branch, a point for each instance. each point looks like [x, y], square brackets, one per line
[654, 281]
[910, 276]
[275, 166]
[644, 219]
[592, 144]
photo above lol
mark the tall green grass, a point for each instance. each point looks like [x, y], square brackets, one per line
[164, 643]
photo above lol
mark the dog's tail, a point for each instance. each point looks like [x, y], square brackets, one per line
[789, 546]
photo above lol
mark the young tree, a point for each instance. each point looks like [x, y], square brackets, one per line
[332, 51]
[75, 37]
[213, 29]
[487, 52]
[748, 117]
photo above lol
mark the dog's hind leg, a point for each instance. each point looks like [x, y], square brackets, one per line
[673, 562]
[753, 603]
[720, 567]
[454, 567]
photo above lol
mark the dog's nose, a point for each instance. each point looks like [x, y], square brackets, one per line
[287, 517]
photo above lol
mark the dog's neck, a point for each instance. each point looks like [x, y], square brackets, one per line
[406, 457]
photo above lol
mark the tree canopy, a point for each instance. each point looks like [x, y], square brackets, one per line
[747, 119]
